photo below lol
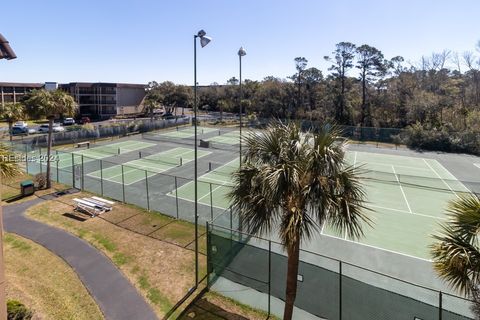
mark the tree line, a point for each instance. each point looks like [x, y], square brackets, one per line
[362, 88]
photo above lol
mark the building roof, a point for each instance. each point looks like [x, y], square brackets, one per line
[21, 84]
[107, 84]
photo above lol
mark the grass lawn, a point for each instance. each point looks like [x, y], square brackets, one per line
[153, 251]
[44, 282]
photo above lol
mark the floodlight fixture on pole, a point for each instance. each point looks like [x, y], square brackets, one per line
[241, 53]
[6, 52]
[204, 40]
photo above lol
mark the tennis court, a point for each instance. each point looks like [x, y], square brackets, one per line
[147, 165]
[187, 132]
[231, 137]
[212, 186]
[64, 159]
[407, 197]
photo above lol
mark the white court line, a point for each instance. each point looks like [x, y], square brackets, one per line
[379, 248]
[403, 211]
[355, 159]
[477, 165]
[401, 189]
[441, 178]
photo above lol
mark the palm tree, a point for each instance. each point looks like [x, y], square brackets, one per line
[12, 112]
[456, 255]
[296, 182]
[8, 169]
[50, 104]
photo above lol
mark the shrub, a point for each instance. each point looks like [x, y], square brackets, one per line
[427, 138]
[40, 180]
[18, 311]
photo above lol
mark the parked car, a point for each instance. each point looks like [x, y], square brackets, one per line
[85, 120]
[18, 130]
[68, 121]
[57, 127]
[20, 124]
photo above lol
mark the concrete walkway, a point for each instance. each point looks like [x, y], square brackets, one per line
[115, 295]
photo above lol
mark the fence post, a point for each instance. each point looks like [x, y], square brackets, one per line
[209, 268]
[269, 274]
[340, 289]
[73, 170]
[123, 185]
[146, 187]
[101, 177]
[58, 162]
[440, 306]
[82, 179]
[211, 202]
[176, 195]
[26, 158]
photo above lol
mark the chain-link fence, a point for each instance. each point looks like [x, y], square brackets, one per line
[253, 271]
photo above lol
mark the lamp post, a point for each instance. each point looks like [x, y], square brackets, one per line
[241, 53]
[6, 52]
[204, 40]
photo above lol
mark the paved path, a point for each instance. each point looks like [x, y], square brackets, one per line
[115, 295]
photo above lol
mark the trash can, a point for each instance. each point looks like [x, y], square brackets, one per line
[27, 188]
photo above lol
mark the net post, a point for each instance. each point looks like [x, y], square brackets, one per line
[211, 202]
[83, 174]
[181, 161]
[101, 177]
[210, 166]
[118, 150]
[176, 195]
[123, 185]
[146, 189]
[269, 275]
[139, 154]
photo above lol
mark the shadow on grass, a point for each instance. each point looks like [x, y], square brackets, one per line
[202, 309]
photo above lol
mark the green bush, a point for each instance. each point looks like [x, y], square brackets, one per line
[444, 139]
[18, 311]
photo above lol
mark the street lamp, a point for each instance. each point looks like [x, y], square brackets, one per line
[204, 40]
[241, 53]
[6, 51]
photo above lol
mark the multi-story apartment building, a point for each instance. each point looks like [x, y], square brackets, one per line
[106, 100]
[13, 92]
[95, 100]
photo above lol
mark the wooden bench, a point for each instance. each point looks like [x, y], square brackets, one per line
[82, 144]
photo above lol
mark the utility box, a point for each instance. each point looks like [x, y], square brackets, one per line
[27, 187]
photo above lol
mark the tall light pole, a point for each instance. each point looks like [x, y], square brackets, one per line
[204, 40]
[241, 53]
[6, 52]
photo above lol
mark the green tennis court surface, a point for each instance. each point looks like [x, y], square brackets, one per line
[147, 166]
[227, 138]
[187, 132]
[213, 186]
[409, 196]
[64, 159]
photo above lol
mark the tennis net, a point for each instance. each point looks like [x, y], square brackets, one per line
[105, 149]
[159, 158]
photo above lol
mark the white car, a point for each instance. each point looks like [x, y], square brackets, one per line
[68, 121]
[20, 124]
[57, 127]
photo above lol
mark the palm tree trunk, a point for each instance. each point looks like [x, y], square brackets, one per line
[49, 147]
[292, 272]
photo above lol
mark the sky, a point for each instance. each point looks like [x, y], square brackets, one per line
[144, 40]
